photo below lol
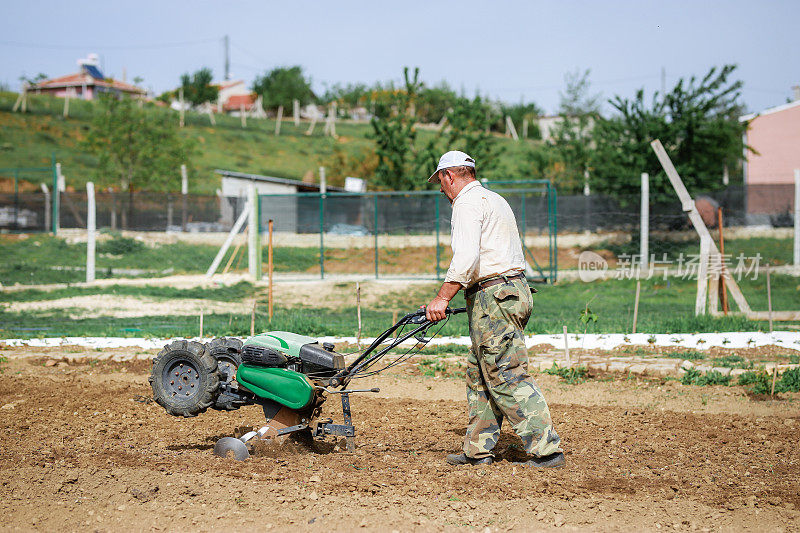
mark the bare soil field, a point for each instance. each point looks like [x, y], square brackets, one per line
[84, 449]
[422, 259]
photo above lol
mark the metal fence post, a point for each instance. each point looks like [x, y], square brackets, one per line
[436, 199]
[16, 199]
[91, 227]
[253, 227]
[321, 241]
[56, 196]
[524, 221]
[644, 224]
[552, 213]
[376, 234]
[184, 190]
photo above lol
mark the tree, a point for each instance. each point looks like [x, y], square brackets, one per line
[576, 98]
[197, 88]
[282, 85]
[34, 80]
[394, 138]
[519, 113]
[572, 136]
[136, 148]
[434, 102]
[697, 121]
[469, 122]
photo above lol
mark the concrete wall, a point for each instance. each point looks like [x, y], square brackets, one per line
[776, 138]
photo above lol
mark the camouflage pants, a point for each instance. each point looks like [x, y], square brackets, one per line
[498, 383]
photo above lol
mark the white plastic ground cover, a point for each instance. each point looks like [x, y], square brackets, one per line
[591, 341]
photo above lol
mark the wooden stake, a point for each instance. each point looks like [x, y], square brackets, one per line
[310, 129]
[230, 260]
[774, 379]
[636, 305]
[243, 115]
[239, 260]
[702, 275]
[201, 323]
[180, 102]
[566, 347]
[269, 267]
[253, 319]
[66, 104]
[358, 307]
[769, 299]
[210, 110]
[278, 120]
[722, 292]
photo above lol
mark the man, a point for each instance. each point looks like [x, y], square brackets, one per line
[488, 263]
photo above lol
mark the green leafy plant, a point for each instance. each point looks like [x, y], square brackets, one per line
[695, 377]
[733, 361]
[761, 381]
[588, 316]
[688, 355]
[790, 381]
[571, 376]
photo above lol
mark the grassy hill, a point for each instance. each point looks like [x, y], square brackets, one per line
[30, 139]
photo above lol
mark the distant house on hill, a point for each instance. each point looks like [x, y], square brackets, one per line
[774, 135]
[233, 95]
[548, 124]
[87, 83]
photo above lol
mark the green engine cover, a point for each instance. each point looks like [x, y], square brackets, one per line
[287, 387]
[284, 341]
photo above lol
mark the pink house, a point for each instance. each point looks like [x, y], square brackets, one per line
[774, 134]
[87, 83]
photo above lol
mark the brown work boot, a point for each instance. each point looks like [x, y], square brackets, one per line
[462, 459]
[554, 460]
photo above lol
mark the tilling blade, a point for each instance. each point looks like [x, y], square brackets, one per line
[226, 445]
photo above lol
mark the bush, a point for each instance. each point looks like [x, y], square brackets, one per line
[695, 377]
[120, 246]
[790, 381]
[733, 361]
[761, 381]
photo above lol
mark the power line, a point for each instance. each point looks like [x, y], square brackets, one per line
[108, 47]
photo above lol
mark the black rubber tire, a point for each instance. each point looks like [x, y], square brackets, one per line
[187, 364]
[228, 353]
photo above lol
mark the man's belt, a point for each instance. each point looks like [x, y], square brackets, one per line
[470, 292]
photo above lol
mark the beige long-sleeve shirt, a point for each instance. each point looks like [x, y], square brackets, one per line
[484, 237]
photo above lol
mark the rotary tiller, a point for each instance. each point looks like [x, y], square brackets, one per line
[289, 375]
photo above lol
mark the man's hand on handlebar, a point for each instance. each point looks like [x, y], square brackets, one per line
[437, 309]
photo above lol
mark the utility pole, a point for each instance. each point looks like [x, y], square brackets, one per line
[226, 40]
[663, 81]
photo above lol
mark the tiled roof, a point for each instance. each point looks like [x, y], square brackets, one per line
[236, 101]
[228, 83]
[81, 78]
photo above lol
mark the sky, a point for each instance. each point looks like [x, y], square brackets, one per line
[508, 50]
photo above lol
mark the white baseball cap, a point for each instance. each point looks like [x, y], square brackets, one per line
[453, 158]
